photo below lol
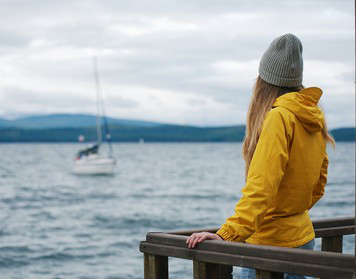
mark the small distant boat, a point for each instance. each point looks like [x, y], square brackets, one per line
[89, 161]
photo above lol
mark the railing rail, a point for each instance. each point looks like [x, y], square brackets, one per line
[214, 259]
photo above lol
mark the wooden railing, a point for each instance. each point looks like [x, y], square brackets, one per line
[215, 259]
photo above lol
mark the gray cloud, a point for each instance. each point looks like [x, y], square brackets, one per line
[203, 52]
[57, 101]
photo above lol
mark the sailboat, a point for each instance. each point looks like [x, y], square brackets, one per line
[89, 160]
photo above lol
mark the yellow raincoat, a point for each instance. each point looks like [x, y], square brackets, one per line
[287, 175]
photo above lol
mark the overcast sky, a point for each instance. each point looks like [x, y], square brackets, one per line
[175, 61]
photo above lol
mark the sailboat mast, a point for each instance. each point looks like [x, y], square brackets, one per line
[98, 112]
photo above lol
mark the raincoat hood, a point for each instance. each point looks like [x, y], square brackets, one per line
[303, 105]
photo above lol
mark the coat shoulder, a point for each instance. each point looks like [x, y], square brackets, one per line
[282, 113]
[280, 110]
[285, 118]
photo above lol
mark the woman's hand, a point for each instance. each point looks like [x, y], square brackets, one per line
[196, 238]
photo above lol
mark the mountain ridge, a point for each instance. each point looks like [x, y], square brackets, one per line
[67, 128]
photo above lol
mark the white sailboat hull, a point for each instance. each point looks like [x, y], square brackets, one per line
[94, 164]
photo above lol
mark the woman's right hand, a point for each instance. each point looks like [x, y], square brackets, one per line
[196, 238]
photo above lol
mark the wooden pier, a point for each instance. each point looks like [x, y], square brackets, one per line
[214, 259]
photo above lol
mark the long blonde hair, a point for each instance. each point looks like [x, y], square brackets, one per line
[263, 96]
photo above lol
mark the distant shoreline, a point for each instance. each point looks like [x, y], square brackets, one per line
[157, 134]
[54, 128]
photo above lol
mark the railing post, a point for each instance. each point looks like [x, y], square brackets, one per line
[211, 271]
[332, 244]
[263, 274]
[155, 267]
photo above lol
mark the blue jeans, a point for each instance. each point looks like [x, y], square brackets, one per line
[249, 273]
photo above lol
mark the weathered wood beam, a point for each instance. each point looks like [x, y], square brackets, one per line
[262, 274]
[262, 251]
[155, 266]
[332, 244]
[318, 269]
[214, 259]
[334, 222]
[203, 270]
[334, 231]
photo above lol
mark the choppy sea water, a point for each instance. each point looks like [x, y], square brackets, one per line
[54, 224]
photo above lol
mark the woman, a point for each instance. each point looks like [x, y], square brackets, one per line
[285, 157]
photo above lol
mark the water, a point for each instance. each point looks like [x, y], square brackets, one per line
[54, 224]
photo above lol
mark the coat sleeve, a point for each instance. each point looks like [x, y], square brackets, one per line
[319, 190]
[265, 173]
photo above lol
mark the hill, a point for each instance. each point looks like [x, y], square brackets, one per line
[124, 133]
[344, 134]
[67, 128]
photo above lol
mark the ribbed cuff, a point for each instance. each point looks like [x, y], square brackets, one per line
[224, 235]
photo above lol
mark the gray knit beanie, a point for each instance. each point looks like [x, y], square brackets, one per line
[282, 63]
